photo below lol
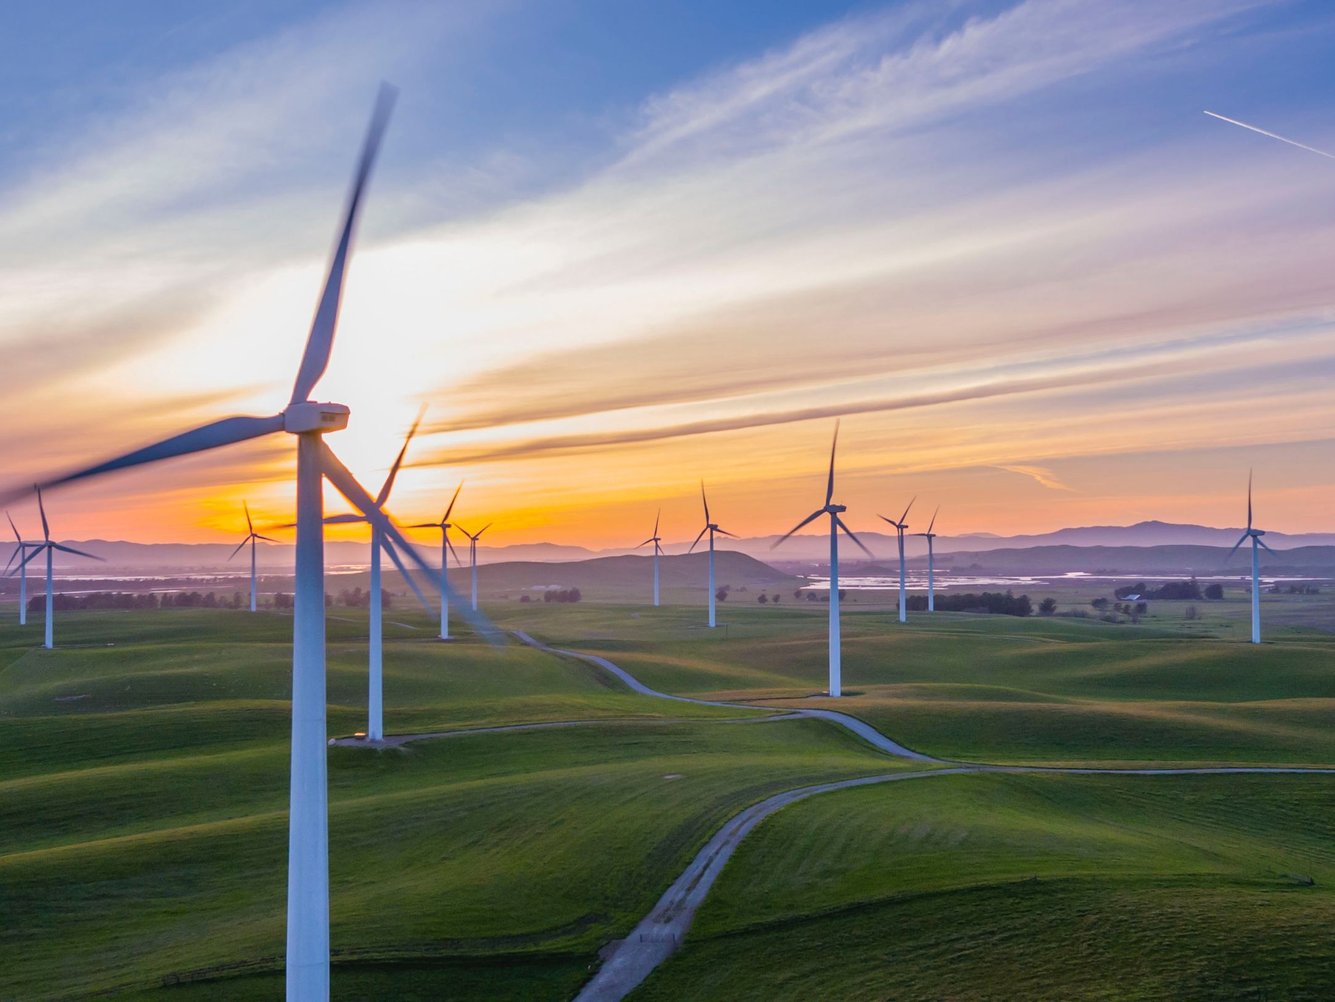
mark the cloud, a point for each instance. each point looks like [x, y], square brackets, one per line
[1041, 475]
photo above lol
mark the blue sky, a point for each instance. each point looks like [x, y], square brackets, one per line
[635, 244]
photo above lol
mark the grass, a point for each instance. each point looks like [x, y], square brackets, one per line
[1031, 886]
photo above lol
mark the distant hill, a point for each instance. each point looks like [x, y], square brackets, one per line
[630, 574]
[1302, 561]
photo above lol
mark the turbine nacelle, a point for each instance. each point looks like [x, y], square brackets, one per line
[307, 416]
[834, 509]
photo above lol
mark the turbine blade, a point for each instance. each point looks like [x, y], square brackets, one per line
[20, 548]
[890, 520]
[383, 496]
[412, 583]
[32, 555]
[457, 561]
[901, 522]
[77, 553]
[657, 519]
[46, 529]
[483, 529]
[646, 542]
[1262, 543]
[243, 545]
[346, 484]
[829, 487]
[250, 526]
[14, 527]
[265, 538]
[450, 507]
[210, 436]
[932, 524]
[698, 538]
[320, 341]
[1249, 499]
[343, 519]
[423, 525]
[810, 518]
[705, 500]
[725, 532]
[1235, 547]
[849, 532]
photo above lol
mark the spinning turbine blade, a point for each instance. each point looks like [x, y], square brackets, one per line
[346, 484]
[210, 436]
[77, 553]
[265, 538]
[1249, 499]
[14, 527]
[457, 561]
[829, 488]
[320, 341]
[705, 500]
[483, 529]
[46, 529]
[906, 514]
[1235, 546]
[932, 524]
[388, 486]
[450, 507]
[657, 519]
[810, 518]
[33, 552]
[250, 526]
[412, 582]
[698, 538]
[725, 532]
[244, 543]
[849, 532]
[345, 519]
[1263, 544]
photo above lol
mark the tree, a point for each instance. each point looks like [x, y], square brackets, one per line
[762, 598]
[1099, 603]
[722, 594]
[1047, 607]
[1214, 591]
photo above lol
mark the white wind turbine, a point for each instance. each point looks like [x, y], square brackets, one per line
[710, 528]
[446, 548]
[473, 537]
[21, 548]
[307, 958]
[900, 526]
[929, 535]
[836, 523]
[252, 537]
[1257, 542]
[49, 548]
[657, 540]
[375, 701]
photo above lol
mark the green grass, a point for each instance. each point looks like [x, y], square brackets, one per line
[1032, 886]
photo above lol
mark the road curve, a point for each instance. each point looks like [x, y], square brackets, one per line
[659, 933]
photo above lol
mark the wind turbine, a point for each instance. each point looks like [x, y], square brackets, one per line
[446, 547]
[49, 548]
[836, 523]
[375, 699]
[929, 535]
[473, 537]
[20, 549]
[251, 537]
[307, 958]
[656, 540]
[900, 526]
[1257, 542]
[710, 528]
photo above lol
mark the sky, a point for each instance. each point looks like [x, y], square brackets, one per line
[617, 248]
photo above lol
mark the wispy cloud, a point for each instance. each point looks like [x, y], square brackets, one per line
[1041, 475]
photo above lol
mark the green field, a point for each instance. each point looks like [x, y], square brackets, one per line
[143, 786]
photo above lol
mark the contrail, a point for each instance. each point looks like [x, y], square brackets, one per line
[1301, 146]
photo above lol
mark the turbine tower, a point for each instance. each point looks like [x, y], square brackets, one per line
[375, 701]
[472, 555]
[929, 535]
[656, 540]
[446, 547]
[49, 548]
[1257, 542]
[836, 523]
[710, 528]
[20, 549]
[251, 537]
[900, 526]
[307, 958]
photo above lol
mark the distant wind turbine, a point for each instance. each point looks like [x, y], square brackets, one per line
[710, 528]
[20, 549]
[656, 540]
[473, 537]
[446, 547]
[307, 958]
[375, 700]
[1257, 542]
[836, 523]
[929, 535]
[900, 526]
[49, 548]
[251, 537]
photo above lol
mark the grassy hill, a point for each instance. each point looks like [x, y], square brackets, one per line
[1318, 561]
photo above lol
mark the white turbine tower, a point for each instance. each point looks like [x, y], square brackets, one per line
[446, 548]
[900, 526]
[252, 537]
[836, 523]
[929, 535]
[656, 539]
[21, 548]
[307, 958]
[710, 528]
[375, 700]
[472, 555]
[49, 548]
[1257, 542]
